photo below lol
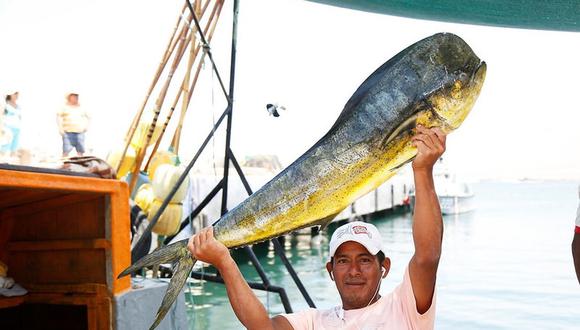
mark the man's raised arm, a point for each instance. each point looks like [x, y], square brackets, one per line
[247, 307]
[427, 221]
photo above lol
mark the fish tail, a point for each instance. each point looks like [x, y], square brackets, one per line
[166, 254]
[182, 272]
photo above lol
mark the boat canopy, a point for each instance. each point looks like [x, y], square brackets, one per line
[560, 15]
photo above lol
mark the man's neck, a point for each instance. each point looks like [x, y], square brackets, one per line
[349, 308]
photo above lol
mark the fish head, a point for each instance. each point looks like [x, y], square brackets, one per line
[459, 81]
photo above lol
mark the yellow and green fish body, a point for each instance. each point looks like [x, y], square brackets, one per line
[434, 82]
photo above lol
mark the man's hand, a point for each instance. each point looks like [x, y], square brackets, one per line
[430, 143]
[204, 247]
[248, 308]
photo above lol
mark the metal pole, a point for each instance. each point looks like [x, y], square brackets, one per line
[280, 252]
[224, 208]
[257, 265]
[253, 285]
[277, 247]
[197, 210]
[231, 105]
[178, 183]
[392, 196]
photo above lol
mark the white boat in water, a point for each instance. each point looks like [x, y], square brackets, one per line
[454, 196]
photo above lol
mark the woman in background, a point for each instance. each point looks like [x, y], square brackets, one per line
[12, 119]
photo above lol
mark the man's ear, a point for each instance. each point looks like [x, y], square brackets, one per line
[329, 269]
[387, 266]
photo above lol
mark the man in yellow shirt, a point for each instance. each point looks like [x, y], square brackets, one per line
[73, 122]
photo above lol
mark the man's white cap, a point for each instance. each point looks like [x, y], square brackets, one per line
[363, 233]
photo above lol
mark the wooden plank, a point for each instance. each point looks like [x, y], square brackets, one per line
[41, 226]
[104, 314]
[7, 302]
[6, 228]
[80, 220]
[56, 245]
[121, 243]
[99, 308]
[53, 203]
[62, 298]
[34, 169]
[19, 197]
[85, 288]
[57, 182]
[58, 267]
[85, 219]
[92, 316]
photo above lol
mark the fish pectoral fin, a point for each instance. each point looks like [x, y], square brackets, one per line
[166, 254]
[182, 272]
[324, 222]
[405, 127]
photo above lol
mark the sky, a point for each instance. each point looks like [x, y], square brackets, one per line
[306, 56]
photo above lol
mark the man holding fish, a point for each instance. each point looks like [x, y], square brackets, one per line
[358, 263]
[434, 83]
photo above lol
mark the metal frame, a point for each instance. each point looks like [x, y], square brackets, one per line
[223, 184]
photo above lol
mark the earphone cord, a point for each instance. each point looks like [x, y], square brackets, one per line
[376, 291]
[373, 297]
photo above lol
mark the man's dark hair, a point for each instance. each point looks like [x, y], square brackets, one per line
[9, 96]
[381, 257]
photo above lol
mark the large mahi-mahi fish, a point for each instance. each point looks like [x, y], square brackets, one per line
[434, 82]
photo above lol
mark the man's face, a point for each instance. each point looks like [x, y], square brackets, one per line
[73, 99]
[357, 274]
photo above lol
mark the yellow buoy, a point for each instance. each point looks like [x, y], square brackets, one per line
[128, 164]
[170, 220]
[145, 197]
[142, 130]
[161, 157]
[165, 178]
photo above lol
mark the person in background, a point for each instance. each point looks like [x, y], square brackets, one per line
[576, 241]
[73, 122]
[12, 120]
